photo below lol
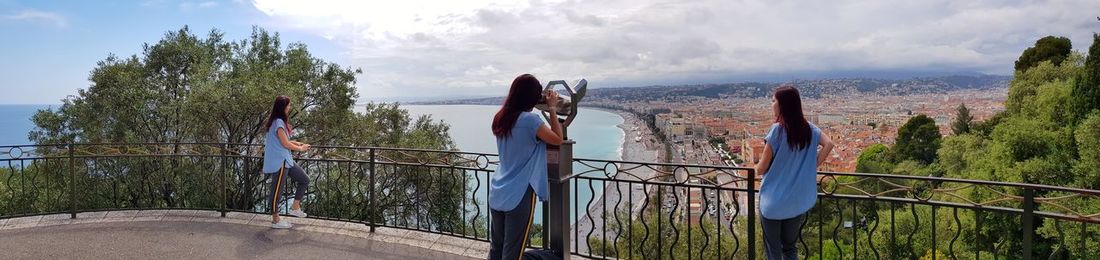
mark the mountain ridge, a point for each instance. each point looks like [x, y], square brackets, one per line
[813, 88]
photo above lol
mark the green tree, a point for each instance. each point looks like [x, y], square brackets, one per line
[1025, 85]
[918, 139]
[643, 240]
[1038, 151]
[984, 128]
[1050, 48]
[1088, 147]
[957, 155]
[962, 120]
[1081, 244]
[187, 88]
[875, 159]
[1086, 90]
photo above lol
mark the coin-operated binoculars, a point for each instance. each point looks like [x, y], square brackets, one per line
[567, 107]
[559, 163]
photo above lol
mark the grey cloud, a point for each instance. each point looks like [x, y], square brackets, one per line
[633, 42]
[583, 19]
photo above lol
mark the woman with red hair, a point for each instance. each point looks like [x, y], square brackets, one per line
[789, 166]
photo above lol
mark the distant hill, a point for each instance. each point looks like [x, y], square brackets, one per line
[809, 88]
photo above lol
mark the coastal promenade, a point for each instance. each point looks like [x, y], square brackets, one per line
[593, 218]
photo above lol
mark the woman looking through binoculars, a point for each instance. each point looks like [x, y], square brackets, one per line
[521, 144]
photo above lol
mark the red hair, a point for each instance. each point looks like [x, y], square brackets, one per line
[791, 118]
[522, 97]
[278, 111]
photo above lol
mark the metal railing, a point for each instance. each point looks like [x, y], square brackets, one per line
[425, 190]
[616, 209]
[708, 212]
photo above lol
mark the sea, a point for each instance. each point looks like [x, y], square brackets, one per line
[596, 132]
[15, 122]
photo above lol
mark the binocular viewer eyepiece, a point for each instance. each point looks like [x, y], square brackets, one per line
[567, 105]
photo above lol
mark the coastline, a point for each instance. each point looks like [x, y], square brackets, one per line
[630, 151]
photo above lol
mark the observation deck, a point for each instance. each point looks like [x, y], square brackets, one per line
[207, 200]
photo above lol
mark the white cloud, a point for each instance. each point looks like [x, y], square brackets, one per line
[411, 47]
[49, 18]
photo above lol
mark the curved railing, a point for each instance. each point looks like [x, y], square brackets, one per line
[704, 211]
[425, 190]
[620, 209]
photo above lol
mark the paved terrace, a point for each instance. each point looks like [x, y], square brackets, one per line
[193, 234]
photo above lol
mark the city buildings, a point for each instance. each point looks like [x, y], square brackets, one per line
[854, 121]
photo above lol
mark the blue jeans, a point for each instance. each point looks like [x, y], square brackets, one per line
[781, 236]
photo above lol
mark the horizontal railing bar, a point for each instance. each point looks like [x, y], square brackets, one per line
[665, 164]
[917, 201]
[968, 181]
[926, 178]
[686, 185]
[1045, 214]
[381, 148]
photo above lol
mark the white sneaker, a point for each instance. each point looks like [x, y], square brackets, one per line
[283, 224]
[298, 213]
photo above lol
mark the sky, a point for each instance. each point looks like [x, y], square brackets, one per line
[427, 49]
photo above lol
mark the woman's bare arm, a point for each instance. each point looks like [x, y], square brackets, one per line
[551, 135]
[826, 149]
[765, 162]
[285, 141]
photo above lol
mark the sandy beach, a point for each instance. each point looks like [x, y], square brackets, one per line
[642, 151]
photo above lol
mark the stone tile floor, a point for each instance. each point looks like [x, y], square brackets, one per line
[194, 234]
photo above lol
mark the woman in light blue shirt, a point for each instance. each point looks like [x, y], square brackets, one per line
[279, 163]
[521, 143]
[789, 166]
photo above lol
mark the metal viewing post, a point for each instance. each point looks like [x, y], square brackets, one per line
[560, 167]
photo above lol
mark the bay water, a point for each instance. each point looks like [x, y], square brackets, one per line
[15, 122]
[596, 132]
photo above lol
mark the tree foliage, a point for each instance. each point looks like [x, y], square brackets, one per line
[1048, 134]
[875, 159]
[1087, 137]
[918, 139]
[1025, 86]
[186, 88]
[1050, 48]
[1086, 90]
[962, 120]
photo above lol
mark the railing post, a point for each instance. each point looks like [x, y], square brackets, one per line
[372, 203]
[1028, 221]
[225, 171]
[751, 201]
[545, 224]
[72, 183]
[559, 167]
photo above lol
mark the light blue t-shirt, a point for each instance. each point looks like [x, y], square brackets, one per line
[275, 155]
[522, 165]
[789, 187]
